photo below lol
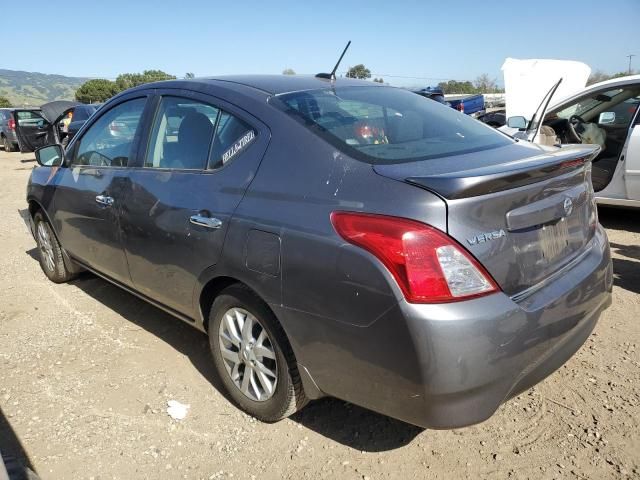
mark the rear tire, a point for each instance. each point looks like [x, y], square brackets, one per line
[50, 252]
[8, 146]
[287, 396]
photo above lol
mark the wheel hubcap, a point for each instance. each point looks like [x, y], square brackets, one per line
[248, 354]
[46, 249]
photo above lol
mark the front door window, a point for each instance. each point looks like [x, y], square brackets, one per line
[109, 141]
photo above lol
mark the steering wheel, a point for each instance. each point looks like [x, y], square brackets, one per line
[575, 127]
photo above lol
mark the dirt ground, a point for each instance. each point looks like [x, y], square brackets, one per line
[86, 371]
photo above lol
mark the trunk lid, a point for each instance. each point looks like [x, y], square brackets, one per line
[525, 213]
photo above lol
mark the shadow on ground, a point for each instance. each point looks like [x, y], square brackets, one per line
[626, 273]
[337, 420]
[15, 458]
[626, 270]
[620, 218]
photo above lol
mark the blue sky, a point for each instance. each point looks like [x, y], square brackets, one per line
[426, 40]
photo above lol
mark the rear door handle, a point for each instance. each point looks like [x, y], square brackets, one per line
[104, 200]
[207, 222]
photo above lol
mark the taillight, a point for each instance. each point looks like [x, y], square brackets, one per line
[460, 107]
[11, 124]
[429, 266]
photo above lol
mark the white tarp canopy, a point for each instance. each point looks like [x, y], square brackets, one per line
[526, 82]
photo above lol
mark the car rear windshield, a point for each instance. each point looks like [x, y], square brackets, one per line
[382, 125]
[83, 112]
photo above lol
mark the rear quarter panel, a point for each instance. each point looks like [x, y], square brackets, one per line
[324, 284]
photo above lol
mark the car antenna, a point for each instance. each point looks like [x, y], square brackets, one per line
[332, 76]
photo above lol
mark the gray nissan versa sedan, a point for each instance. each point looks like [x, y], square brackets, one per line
[334, 237]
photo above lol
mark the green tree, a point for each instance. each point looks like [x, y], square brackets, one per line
[485, 84]
[288, 71]
[129, 80]
[5, 103]
[96, 91]
[454, 86]
[189, 75]
[359, 71]
[599, 76]
[378, 80]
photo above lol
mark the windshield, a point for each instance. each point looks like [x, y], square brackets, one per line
[591, 106]
[388, 125]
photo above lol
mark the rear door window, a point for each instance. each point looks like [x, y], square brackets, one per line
[182, 134]
[388, 125]
[232, 137]
[30, 118]
[192, 135]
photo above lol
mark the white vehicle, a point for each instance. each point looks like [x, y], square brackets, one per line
[605, 113]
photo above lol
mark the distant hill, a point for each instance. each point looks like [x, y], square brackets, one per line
[34, 89]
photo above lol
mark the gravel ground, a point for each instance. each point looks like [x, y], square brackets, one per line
[86, 372]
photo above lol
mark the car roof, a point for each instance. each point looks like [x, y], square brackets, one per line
[270, 84]
[612, 83]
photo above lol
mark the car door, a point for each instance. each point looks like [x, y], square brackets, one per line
[202, 154]
[632, 160]
[32, 130]
[89, 192]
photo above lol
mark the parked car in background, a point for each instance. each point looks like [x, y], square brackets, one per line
[605, 113]
[79, 115]
[334, 237]
[36, 127]
[470, 104]
[8, 136]
[495, 119]
[432, 93]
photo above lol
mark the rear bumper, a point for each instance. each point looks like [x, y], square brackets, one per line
[452, 365]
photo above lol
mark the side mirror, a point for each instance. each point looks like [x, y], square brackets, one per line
[50, 156]
[607, 118]
[517, 122]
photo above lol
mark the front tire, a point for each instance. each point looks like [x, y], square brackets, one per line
[50, 252]
[253, 357]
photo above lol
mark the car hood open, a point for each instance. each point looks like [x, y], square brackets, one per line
[527, 81]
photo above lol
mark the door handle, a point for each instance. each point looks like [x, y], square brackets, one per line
[208, 222]
[104, 200]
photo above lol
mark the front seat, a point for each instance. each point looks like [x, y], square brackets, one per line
[194, 140]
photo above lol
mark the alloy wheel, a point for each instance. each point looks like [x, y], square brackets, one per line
[248, 354]
[46, 248]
